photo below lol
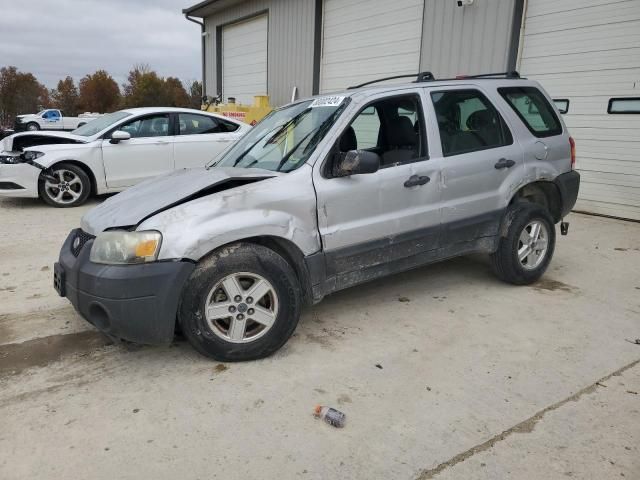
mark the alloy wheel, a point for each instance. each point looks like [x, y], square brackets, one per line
[533, 244]
[67, 189]
[241, 307]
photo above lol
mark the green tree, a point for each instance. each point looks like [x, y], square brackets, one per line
[145, 88]
[65, 96]
[174, 93]
[20, 93]
[195, 94]
[99, 92]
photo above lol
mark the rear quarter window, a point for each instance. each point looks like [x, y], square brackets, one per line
[533, 109]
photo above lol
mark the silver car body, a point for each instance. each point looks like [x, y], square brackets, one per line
[332, 214]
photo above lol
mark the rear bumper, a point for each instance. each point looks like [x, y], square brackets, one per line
[568, 184]
[137, 303]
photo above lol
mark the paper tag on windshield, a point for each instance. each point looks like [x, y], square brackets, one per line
[331, 101]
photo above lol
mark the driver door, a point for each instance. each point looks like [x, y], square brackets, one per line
[374, 224]
[148, 153]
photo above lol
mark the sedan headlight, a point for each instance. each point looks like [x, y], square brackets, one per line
[120, 247]
[10, 159]
[31, 155]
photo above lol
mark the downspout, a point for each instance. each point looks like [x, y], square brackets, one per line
[203, 35]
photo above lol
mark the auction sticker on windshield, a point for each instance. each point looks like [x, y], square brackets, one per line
[331, 101]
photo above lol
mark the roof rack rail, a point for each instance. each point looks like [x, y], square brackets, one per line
[420, 77]
[509, 74]
[428, 77]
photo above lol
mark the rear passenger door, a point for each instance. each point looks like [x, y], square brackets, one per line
[201, 138]
[481, 162]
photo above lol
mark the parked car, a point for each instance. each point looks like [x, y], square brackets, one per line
[323, 194]
[51, 119]
[113, 152]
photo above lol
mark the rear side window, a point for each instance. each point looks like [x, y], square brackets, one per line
[468, 122]
[533, 109]
[194, 124]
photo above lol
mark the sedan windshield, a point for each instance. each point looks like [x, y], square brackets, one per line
[285, 138]
[101, 123]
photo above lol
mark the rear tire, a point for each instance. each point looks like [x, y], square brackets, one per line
[523, 255]
[219, 291]
[72, 188]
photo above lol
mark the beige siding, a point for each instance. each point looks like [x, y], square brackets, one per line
[589, 51]
[472, 39]
[364, 40]
[290, 45]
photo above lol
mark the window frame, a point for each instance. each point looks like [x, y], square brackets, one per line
[326, 168]
[178, 133]
[509, 140]
[502, 91]
[617, 99]
[126, 121]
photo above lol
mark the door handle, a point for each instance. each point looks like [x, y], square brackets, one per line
[504, 163]
[415, 180]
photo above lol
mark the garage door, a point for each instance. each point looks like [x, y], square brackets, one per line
[244, 59]
[588, 51]
[368, 39]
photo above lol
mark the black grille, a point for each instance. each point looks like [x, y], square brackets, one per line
[78, 241]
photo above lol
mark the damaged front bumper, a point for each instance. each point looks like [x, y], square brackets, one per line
[18, 180]
[137, 303]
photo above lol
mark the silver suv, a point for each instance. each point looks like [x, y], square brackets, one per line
[323, 194]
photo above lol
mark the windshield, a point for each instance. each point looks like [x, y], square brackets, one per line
[285, 138]
[100, 123]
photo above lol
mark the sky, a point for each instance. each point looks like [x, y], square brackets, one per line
[56, 38]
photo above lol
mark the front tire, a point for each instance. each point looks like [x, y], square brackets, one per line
[523, 255]
[67, 185]
[33, 127]
[241, 303]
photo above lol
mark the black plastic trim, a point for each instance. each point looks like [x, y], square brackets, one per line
[10, 186]
[569, 185]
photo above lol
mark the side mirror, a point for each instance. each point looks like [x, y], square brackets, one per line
[355, 162]
[118, 136]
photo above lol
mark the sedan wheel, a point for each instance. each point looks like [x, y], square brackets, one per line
[66, 190]
[65, 185]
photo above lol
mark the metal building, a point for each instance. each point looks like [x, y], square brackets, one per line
[585, 52]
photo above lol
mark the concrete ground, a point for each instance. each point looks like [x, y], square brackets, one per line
[443, 372]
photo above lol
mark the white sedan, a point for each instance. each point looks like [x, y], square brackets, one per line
[111, 153]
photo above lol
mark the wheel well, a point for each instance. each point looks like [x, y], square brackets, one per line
[87, 170]
[545, 194]
[292, 254]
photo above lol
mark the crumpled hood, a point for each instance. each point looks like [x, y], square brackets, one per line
[152, 196]
[7, 142]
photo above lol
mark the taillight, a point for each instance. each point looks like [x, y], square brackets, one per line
[573, 152]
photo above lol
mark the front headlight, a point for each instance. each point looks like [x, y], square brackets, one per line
[121, 247]
[31, 155]
[10, 159]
